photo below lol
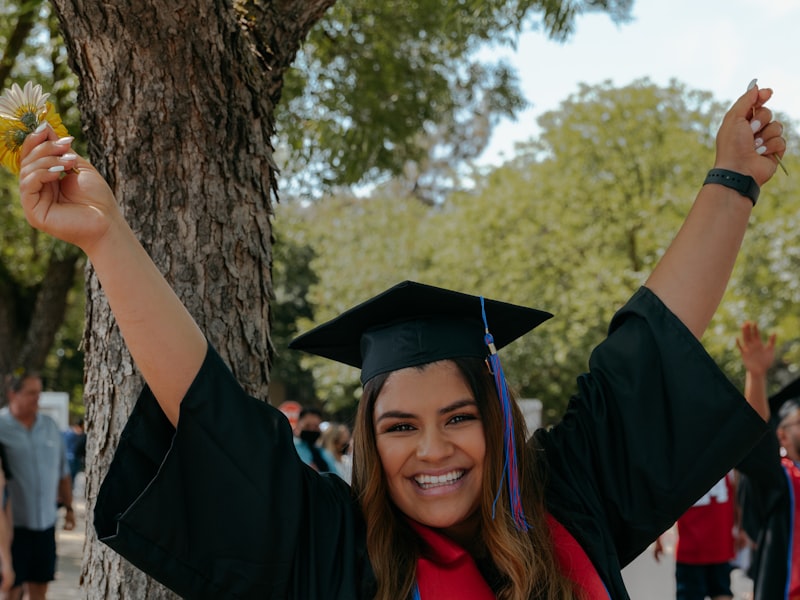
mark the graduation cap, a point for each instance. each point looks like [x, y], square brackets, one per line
[413, 324]
[785, 402]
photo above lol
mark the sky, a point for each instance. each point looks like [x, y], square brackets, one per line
[710, 45]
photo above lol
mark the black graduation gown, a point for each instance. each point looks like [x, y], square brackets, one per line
[222, 506]
[767, 507]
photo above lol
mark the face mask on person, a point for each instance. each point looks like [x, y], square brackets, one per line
[309, 437]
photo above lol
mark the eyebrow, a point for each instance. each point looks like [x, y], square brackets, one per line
[399, 414]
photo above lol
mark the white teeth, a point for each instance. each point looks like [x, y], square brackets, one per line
[429, 481]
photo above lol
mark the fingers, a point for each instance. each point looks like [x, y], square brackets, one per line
[768, 133]
[750, 339]
[43, 149]
[757, 355]
[750, 333]
[749, 141]
[772, 339]
[753, 97]
[44, 159]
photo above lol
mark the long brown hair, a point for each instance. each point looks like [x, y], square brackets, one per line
[524, 561]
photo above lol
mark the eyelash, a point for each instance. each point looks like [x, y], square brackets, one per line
[455, 419]
[399, 427]
[462, 417]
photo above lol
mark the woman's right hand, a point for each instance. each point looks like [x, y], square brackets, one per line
[78, 208]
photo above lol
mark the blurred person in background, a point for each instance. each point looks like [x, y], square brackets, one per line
[707, 544]
[75, 442]
[771, 487]
[336, 439]
[306, 441]
[41, 481]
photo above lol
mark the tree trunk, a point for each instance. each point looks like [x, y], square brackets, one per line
[177, 99]
[30, 315]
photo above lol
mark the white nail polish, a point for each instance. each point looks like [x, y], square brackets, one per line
[759, 142]
[72, 156]
[761, 149]
[41, 127]
[64, 141]
[755, 125]
[56, 169]
[752, 84]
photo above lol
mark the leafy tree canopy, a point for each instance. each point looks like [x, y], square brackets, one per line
[573, 225]
[376, 81]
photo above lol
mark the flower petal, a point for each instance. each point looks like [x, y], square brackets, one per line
[21, 111]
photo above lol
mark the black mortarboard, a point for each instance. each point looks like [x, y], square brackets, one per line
[412, 324]
[785, 402]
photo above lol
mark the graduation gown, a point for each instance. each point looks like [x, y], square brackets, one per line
[768, 517]
[223, 507]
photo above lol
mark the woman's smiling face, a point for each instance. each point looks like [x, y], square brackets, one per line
[431, 444]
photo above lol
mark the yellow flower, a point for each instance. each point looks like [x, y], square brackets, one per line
[21, 112]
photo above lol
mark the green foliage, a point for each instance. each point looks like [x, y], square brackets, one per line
[374, 80]
[33, 51]
[573, 225]
[63, 369]
[292, 278]
[360, 247]
[765, 287]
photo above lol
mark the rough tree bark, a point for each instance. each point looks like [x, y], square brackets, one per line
[177, 101]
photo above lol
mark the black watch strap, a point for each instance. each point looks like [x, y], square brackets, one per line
[744, 184]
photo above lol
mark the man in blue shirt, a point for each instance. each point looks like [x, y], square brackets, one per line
[41, 479]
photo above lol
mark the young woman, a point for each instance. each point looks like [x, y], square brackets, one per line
[207, 495]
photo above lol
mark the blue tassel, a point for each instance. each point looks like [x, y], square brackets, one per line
[510, 468]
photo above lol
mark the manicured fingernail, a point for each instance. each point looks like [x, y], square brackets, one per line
[752, 84]
[761, 149]
[56, 169]
[64, 141]
[755, 125]
[759, 142]
[41, 127]
[68, 156]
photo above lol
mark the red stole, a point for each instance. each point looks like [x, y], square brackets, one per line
[447, 571]
[793, 475]
[575, 564]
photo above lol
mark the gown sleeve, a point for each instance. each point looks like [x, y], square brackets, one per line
[223, 507]
[653, 426]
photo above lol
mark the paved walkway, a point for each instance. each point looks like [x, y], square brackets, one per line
[69, 547]
[648, 580]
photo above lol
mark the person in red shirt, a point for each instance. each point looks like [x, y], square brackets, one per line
[706, 545]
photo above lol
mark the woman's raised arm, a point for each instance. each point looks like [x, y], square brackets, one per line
[692, 275]
[79, 208]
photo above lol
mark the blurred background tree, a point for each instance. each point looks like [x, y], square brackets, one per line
[573, 225]
[41, 300]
